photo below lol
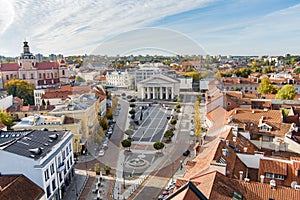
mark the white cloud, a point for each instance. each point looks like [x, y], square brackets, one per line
[66, 25]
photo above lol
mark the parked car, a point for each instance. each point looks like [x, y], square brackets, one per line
[186, 152]
[101, 152]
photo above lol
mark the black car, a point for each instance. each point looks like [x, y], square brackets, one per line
[186, 152]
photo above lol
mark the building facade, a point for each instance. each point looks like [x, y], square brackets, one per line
[39, 73]
[159, 87]
[46, 158]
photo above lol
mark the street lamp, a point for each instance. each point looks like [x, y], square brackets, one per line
[124, 186]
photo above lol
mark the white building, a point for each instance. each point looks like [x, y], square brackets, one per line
[6, 102]
[158, 87]
[46, 158]
[186, 83]
[119, 79]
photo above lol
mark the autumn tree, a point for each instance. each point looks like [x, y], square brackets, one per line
[109, 114]
[6, 119]
[265, 87]
[22, 89]
[104, 123]
[197, 120]
[114, 102]
[287, 92]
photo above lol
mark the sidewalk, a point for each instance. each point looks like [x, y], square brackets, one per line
[77, 185]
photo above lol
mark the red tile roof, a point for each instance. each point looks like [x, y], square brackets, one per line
[47, 65]
[272, 166]
[19, 187]
[9, 67]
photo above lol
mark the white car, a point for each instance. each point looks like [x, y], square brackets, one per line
[101, 152]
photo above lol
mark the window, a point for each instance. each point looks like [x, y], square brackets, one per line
[55, 75]
[67, 150]
[279, 177]
[24, 77]
[48, 75]
[63, 155]
[53, 184]
[63, 72]
[68, 164]
[52, 168]
[46, 175]
[228, 103]
[40, 75]
[7, 77]
[48, 191]
[70, 147]
[31, 75]
[268, 175]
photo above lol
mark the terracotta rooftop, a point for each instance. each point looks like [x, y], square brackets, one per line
[215, 185]
[19, 187]
[47, 65]
[274, 167]
[9, 67]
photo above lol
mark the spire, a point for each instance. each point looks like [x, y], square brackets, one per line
[26, 47]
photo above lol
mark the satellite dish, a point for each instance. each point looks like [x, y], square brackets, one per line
[293, 184]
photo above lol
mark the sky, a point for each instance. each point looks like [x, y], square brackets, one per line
[124, 27]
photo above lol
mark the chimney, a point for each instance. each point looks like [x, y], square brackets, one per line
[227, 142]
[245, 149]
[234, 139]
[273, 184]
[241, 175]
[262, 178]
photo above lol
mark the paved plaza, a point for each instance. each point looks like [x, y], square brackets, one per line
[153, 124]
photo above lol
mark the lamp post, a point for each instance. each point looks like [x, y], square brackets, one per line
[124, 185]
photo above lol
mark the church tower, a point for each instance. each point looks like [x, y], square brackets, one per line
[26, 60]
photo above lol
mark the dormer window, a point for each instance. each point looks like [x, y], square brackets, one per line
[265, 127]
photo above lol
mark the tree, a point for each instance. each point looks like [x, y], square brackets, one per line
[287, 92]
[173, 121]
[197, 120]
[103, 123]
[79, 79]
[6, 119]
[126, 143]
[21, 89]
[132, 105]
[265, 87]
[129, 132]
[297, 70]
[132, 112]
[114, 103]
[169, 134]
[109, 114]
[158, 145]
[107, 169]
[97, 168]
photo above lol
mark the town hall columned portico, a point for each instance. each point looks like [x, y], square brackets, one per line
[158, 87]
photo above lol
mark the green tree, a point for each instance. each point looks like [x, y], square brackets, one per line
[169, 134]
[6, 119]
[265, 87]
[107, 169]
[173, 121]
[21, 89]
[79, 79]
[297, 70]
[158, 145]
[97, 168]
[287, 92]
[132, 112]
[194, 75]
[126, 143]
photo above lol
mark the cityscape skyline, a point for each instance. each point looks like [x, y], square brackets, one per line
[212, 26]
